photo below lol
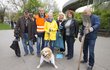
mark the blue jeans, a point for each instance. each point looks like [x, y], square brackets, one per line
[26, 42]
[40, 42]
[89, 45]
[50, 44]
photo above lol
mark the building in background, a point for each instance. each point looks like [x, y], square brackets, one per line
[75, 4]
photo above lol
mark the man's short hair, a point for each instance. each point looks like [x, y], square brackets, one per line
[26, 11]
[40, 8]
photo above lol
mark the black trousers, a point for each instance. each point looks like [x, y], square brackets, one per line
[63, 50]
[70, 45]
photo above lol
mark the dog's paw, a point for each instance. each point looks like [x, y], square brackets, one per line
[38, 66]
[56, 67]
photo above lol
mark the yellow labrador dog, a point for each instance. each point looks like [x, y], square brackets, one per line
[48, 56]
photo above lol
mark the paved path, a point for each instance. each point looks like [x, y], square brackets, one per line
[8, 60]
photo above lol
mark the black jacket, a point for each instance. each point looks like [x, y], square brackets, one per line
[20, 28]
[74, 28]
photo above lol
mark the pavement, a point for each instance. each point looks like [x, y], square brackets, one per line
[8, 60]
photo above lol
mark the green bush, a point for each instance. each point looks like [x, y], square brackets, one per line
[78, 18]
[31, 5]
[104, 18]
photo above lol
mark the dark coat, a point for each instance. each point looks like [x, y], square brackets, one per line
[74, 28]
[20, 28]
[95, 23]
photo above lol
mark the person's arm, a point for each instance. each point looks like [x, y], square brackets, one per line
[17, 29]
[76, 29]
[97, 23]
[55, 26]
[46, 27]
[34, 26]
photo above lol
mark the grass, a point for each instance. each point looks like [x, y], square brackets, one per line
[4, 26]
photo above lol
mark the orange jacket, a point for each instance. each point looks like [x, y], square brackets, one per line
[40, 22]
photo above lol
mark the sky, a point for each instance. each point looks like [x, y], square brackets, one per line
[61, 3]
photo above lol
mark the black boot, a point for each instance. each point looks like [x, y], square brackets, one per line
[89, 68]
[83, 61]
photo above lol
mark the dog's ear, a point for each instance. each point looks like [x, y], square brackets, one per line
[49, 54]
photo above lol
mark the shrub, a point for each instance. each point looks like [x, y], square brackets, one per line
[104, 18]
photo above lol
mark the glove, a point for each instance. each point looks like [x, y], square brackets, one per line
[80, 38]
[36, 36]
[91, 29]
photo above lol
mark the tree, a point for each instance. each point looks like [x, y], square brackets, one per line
[2, 10]
[101, 4]
[32, 5]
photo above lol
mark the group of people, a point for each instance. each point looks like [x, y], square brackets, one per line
[43, 28]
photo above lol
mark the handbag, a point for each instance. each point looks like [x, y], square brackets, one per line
[15, 47]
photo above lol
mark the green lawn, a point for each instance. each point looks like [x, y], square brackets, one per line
[4, 26]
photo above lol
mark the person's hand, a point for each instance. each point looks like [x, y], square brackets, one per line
[50, 29]
[17, 38]
[86, 30]
[91, 29]
[75, 38]
[80, 38]
[36, 36]
[60, 35]
[48, 32]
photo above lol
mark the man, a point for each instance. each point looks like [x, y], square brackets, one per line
[24, 29]
[40, 20]
[90, 38]
[12, 24]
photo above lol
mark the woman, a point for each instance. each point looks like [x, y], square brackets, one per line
[70, 30]
[60, 36]
[50, 28]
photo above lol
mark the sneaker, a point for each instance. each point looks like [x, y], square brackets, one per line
[68, 58]
[25, 54]
[83, 61]
[89, 68]
[38, 55]
[32, 53]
